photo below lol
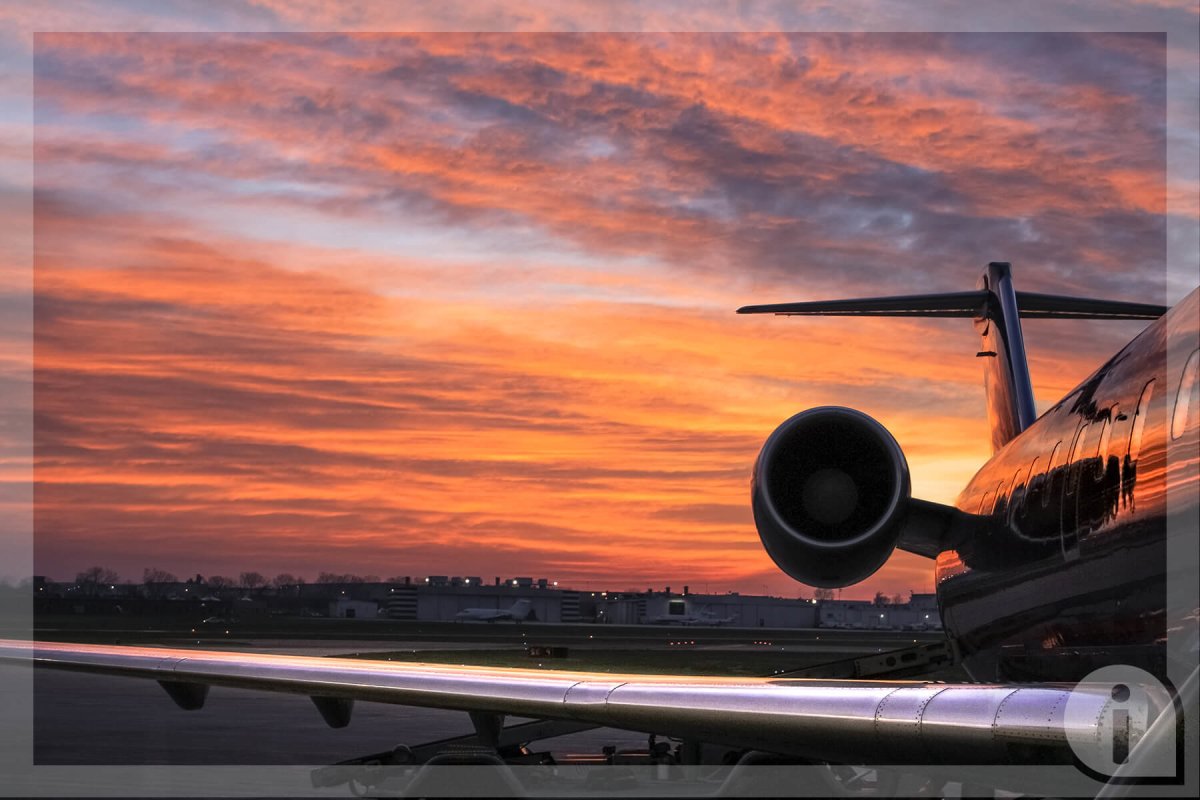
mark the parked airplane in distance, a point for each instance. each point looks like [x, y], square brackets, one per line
[704, 617]
[517, 612]
[1054, 561]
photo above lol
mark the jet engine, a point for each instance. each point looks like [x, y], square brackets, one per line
[830, 494]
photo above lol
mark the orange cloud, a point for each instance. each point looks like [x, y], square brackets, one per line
[467, 300]
[203, 395]
[468, 127]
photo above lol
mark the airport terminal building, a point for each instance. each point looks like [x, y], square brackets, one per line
[442, 599]
[437, 598]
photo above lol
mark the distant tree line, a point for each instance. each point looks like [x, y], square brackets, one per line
[333, 577]
[93, 579]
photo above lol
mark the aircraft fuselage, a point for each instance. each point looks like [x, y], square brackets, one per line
[1071, 569]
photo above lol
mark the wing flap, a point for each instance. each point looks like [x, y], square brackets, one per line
[834, 720]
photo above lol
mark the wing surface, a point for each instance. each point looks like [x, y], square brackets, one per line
[832, 720]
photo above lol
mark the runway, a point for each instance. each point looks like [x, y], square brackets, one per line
[97, 719]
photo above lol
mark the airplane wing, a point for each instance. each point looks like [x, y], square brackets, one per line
[845, 721]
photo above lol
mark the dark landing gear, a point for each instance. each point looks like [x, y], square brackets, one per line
[462, 767]
[479, 772]
[412, 771]
[497, 761]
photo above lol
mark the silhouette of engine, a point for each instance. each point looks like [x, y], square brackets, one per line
[830, 492]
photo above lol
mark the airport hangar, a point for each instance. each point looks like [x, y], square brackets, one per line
[440, 598]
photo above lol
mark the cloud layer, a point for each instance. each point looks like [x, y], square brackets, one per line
[463, 303]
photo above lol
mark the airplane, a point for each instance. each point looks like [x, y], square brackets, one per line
[1063, 554]
[1053, 561]
[704, 617]
[517, 612]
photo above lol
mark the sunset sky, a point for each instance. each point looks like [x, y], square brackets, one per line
[409, 304]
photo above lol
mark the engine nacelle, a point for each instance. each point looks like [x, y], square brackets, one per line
[830, 493]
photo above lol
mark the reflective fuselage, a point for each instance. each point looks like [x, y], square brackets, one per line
[1070, 571]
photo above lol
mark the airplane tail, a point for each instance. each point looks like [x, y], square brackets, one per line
[996, 308]
[521, 609]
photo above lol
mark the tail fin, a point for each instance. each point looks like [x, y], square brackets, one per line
[997, 310]
[1010, 404]
[520, 609]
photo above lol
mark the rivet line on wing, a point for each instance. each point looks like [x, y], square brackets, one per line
[1054, 707]
[1000, 708]
[1098, 726]
[588, 699]
[879, 709]
[921, 717]
[1063, 697]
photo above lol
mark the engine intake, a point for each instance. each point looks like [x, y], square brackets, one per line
[830, 493]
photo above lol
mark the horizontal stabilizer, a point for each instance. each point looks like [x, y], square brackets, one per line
[955, 304]
[964, 304]
[1052, 306]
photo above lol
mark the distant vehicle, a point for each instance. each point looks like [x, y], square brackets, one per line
[517, 612]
